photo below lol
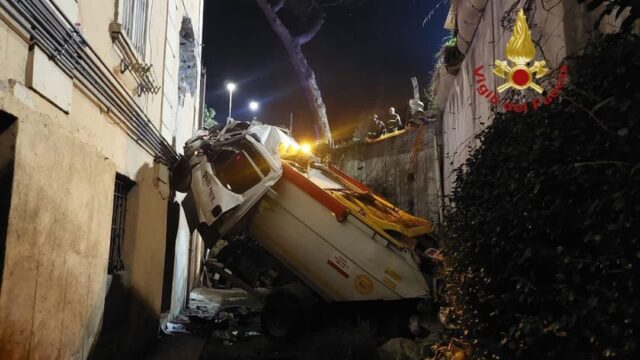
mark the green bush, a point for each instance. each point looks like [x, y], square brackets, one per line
[543, 255]
[616, 9]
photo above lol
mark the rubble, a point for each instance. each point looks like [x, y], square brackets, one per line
[227, 315]
[399, 349]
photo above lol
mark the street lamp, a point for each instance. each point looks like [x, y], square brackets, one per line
[231, 87]
[254, 106]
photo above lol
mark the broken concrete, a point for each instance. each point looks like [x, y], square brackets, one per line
[208, 302]
[189, 71]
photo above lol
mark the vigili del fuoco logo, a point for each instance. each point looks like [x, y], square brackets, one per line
[518, 74]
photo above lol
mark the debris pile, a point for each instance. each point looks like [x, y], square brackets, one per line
[224, 315]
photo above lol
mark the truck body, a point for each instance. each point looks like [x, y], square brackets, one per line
[328, 230]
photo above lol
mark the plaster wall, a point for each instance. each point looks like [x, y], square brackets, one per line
[179, 113]
[94, 20]
[180, 117]
[55, 273]
[57, 241]
[61, 215]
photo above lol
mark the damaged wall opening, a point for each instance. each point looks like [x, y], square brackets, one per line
[188, 72]
[8, 133]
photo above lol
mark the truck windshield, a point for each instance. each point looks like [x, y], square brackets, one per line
[235, 171]
[257, 159]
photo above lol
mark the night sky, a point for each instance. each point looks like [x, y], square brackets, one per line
[363, 59]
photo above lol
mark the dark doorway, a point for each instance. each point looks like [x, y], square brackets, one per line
[8, 134]
[173, 220]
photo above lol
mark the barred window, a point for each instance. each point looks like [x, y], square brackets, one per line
[122, 187]
[134, 15]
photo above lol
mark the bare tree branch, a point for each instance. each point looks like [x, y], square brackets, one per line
[347, 3]
[278, 5]
[332, 3]
[305, 74]
[313, 31]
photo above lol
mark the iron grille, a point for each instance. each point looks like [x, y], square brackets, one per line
[122, 187]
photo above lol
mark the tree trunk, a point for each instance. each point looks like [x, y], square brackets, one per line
[305, 74]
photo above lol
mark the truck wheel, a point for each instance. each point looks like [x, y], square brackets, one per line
[282, 317]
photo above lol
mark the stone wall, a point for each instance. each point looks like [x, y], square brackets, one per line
[404, 169]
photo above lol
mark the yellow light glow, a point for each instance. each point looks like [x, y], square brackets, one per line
[282, 149]
[306, 148]
[294, 148]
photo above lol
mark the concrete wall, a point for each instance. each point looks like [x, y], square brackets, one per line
[54, 284]
[404, 169]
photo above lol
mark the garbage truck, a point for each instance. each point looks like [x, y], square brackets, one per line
[278, 217]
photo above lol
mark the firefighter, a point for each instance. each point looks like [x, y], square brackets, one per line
[376, 128]
[394, 123]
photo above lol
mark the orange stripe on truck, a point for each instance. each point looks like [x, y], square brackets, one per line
[316, 192]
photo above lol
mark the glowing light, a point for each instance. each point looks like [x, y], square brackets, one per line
[254, 106]
[231, 87]
[306, 148]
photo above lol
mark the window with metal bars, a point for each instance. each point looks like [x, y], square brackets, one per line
[118, 219]
[134, 15]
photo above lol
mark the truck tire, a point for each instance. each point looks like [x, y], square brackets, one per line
[282, 317]
[287, 311]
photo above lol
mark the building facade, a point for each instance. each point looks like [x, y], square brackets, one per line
[96, 100]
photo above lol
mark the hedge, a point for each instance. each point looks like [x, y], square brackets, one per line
[542, 249]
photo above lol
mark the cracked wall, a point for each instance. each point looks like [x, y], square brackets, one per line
[188, 73]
